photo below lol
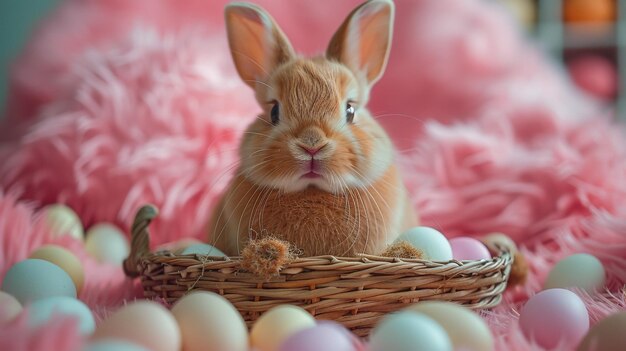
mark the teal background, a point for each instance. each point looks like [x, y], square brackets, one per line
[17, 20]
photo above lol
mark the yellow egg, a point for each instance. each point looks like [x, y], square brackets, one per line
[9, 307]
[467, 330]
[522, 10]
[145, 323]
[62, 220]
[277, 324]
[607, 335]
[64, 259]
[208, 322]
[500, 239]
[106, 243]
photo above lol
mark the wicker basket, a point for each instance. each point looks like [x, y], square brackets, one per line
[355, 291]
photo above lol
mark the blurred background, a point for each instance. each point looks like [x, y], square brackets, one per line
[17, 19]
[587, 36]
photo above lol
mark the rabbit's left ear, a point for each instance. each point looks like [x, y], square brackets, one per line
[364, 39]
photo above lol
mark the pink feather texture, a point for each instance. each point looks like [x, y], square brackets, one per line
[59, 334]
[120, 103]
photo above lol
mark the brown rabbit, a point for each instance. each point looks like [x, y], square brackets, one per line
[316, 169]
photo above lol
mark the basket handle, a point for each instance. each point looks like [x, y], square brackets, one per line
[140, 239]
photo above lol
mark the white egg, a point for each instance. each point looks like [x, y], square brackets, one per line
[106, 243]
[9, 307]
[62, 220]
[40, 312]
[114, 345]
[203, 249]
[208, 322]
[430, 241]
[143, 322]
[36, 279]
[466, 329]
[582, 271]
[409, 331]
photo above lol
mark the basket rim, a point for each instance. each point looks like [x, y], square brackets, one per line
[141, 254]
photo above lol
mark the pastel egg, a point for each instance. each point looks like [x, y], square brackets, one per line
[582, 271]
[64, 259]
[114, 345]
[35, 279]
[607, 335]
[466, 329]
[278, 324]
[430, 241]
[145, 323]
[203, 249]
[522, 10]
[178, 246]
[465, 248]
[208, 322]
[596, 74]
[9, 307]
[357, 342]
[554, 317]
[41, 311]
[326, 337]
[62, 220]
[409, 331]
[106, 243]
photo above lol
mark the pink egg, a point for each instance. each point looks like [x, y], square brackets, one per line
[595, 74]
[326, 336]
[465, 248]
[554, 317]
[357, 342]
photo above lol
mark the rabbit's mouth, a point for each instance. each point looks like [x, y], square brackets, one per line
[313, 171]
[312, 175]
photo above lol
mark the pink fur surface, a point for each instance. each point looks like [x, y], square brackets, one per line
[116, 104]
[61, 334]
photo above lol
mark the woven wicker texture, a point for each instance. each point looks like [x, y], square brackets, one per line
[355, 291]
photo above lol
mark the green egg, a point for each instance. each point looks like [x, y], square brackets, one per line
[581, 271]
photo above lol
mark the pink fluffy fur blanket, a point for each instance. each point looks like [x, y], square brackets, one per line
[117, 103]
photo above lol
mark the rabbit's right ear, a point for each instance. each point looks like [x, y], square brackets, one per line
[364, 39]
[256, 43]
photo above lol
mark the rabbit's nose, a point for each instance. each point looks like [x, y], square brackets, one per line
[312, 150]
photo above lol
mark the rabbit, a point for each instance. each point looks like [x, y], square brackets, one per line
[316, 169]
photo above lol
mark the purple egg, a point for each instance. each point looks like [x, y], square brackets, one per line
[327, 336]
[554, 317]
[465, 248]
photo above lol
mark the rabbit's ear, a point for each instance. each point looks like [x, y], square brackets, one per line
[363, 41]
[256, 43]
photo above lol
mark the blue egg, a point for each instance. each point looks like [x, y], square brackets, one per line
[409, 331]
[40, 312]
[203, 249]
[35, 279]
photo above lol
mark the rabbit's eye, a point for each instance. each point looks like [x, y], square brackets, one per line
[349, 112]
[274, 113]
